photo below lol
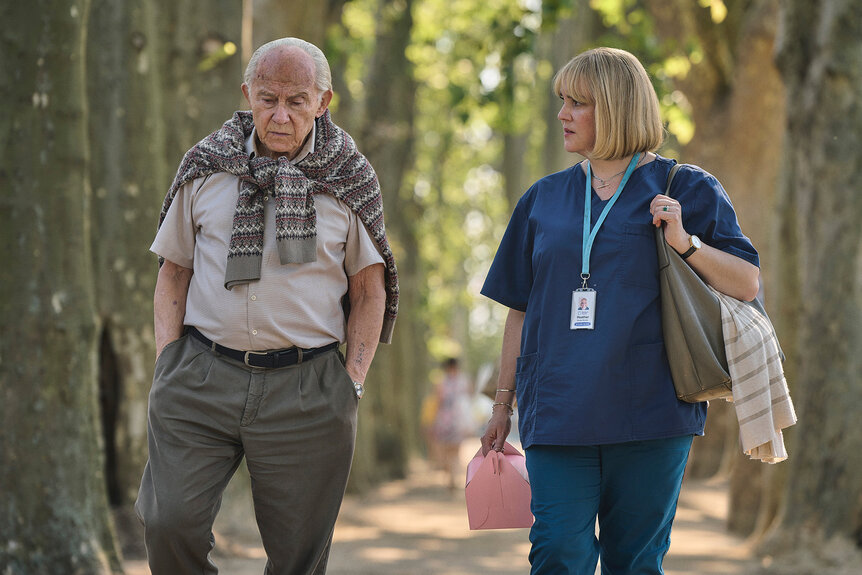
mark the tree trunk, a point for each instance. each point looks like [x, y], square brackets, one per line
[738, 108]
[736, 100]
[129, 177]
[819, 57]
[570, 36]
[513, 166]
[515, 135]
[343, 106]
[738, 140]
[156, 86]
[202, 70]
[387, 141]
[55, 513]
[306, 19]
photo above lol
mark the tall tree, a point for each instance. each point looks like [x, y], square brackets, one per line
[736, 98]
[129, 174]
[738, 109]
[820, 57]
[573, 32]
[306, 19]
[55, 515]
[202, 69]
[387, 140]
[730, 84]
[147, 82]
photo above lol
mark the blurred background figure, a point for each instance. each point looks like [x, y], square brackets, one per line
[452, 420]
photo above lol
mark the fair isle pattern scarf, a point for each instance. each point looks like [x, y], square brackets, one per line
[335, 167]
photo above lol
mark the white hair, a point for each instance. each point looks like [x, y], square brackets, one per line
[322, 74]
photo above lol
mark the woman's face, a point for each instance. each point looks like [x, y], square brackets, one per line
[579, 125]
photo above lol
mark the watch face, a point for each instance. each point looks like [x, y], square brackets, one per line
[695, 241]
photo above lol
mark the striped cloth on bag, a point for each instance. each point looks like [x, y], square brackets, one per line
[760, 394]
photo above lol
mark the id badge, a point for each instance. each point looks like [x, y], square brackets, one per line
[583, 309]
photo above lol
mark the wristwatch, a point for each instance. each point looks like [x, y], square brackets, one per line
[694, 244]
[359, 389]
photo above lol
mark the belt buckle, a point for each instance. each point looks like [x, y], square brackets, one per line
[245, 359]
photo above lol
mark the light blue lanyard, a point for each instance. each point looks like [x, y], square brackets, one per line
[590, 235]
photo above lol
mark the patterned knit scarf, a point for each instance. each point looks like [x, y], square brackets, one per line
[335, 167]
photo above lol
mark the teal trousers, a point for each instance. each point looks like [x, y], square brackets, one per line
[631, 488]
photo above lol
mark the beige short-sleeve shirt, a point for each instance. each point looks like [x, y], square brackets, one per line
[291, 304]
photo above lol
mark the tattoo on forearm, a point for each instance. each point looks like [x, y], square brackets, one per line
[360, 355]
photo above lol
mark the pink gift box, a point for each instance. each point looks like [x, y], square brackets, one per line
[498, 490]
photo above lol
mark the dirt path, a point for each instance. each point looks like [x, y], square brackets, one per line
[418, 527]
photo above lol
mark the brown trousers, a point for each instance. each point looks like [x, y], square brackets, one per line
[296, 427]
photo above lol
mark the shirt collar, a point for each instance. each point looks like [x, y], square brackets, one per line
[308, 148]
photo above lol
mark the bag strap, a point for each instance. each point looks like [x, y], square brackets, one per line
[659, 231]
[663, 261]
[670, 176]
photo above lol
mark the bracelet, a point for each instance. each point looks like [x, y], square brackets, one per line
[508, 390]
[509, 405]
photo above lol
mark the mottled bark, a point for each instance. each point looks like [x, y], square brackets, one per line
[306, 19]
[54, 506]
[820, 60]
[202, 70]
[129, 176]
[736, 99]
[387, 141]
[737, 104]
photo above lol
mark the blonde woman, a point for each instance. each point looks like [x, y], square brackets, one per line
[605, 437]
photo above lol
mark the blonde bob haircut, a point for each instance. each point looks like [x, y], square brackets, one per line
[627, 112]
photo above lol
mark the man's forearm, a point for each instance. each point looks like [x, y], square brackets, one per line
[367, 305]
[169, 303]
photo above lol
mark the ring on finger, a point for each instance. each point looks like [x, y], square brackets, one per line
[664, 209]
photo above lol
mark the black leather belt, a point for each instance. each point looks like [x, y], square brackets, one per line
[268, 359]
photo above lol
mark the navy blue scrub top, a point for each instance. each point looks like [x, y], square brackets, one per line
[611, 384]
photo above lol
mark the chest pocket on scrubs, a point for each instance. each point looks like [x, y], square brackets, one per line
[640, 260]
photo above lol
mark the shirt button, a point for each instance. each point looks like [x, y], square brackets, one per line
[254, 298]
[266, 198]
[254, 332]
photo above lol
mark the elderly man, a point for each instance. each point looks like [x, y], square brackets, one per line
[271, 221]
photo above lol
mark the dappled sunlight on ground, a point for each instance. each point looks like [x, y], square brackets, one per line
[417, 526]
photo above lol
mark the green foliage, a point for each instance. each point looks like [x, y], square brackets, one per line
[353, 43]
[476, 76]
[476, 71]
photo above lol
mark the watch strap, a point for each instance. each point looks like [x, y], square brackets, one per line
[693, 245]
[688, 252]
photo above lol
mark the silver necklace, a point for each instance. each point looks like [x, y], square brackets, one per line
[607, 182]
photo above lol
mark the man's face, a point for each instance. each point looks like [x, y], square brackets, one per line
[284, 101]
